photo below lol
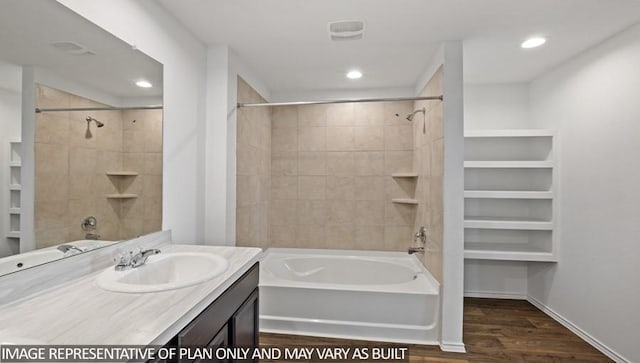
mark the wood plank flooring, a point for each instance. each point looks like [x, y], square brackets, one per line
[494, 331]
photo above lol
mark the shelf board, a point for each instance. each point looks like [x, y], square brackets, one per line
[121, 196]
[509, 133]
[507, 223]
[13, 234]
[506, 252]
[404, 175]
[405, 201]
[15, 187]
[15, 164]
[122, 173]
[508, 194]
[14, 210]
[509, 164]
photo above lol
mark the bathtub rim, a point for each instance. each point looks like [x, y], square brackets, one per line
[424, 284]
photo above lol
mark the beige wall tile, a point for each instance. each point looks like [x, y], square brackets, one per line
[369, 213]
[340, 236]
[152, 164]
[397, 238]
[369, 237]
[395, 113]
[340, 163]
[310, 236]
[284, 139]
[398, 138]
[55, 188]
[52, 128]
[369, 188]
[311, 187]
[284, 187]
[341, 114]
[340, 212]
[312, 212]
[369, 138]
[284, 163]
[311, 138]
[396, 214]
[340, 188]
[369, 163]
[284, 117]
[47, 97]
[283, 236]
[398, 162]
[312, 116]
[51, 159]
[340, 138]
[369, 114]
[284, 212]
[312, 163]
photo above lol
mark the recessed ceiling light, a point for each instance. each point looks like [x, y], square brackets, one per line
[144, 84]
[354, 74]
[533, 42]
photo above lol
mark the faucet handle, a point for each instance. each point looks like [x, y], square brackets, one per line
[123, 259]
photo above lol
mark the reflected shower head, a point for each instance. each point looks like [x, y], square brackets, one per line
[98, 123]
[413, 114]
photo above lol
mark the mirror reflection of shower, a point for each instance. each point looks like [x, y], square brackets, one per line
[88, 134]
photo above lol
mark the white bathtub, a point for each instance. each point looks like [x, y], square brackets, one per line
[380, 296]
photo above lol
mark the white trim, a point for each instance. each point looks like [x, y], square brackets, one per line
[453, 347]
[578, 331]
[495, 295]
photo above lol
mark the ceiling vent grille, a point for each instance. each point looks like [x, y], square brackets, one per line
[346, 30]
[71, 47]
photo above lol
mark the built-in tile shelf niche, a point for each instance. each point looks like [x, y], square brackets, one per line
[509, 195]
[117, 175]
[407, 176]
[14, 190]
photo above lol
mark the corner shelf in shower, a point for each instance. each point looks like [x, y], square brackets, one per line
[122, 173]
[122, 196]
[404, 175]
[405, 201]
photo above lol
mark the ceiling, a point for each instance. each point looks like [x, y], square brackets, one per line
[27, 29]
[287, 44]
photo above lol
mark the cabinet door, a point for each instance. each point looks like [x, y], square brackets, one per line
[244, 324]
[221, 340]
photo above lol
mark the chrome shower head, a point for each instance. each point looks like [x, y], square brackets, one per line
[98, 123]
[413, 114]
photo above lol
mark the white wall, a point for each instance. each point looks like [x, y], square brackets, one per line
[10, 105]
[153, 31]
[592, 101]
[496, 106]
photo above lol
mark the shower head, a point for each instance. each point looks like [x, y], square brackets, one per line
[413, 114]
[98, 123]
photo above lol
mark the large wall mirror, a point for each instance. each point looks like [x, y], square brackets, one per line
[80, 136]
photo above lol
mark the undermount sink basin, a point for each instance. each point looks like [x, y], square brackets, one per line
[164, 272]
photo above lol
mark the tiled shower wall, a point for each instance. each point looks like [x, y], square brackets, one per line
[331, 183]
[428, 162]
[253, 170]
[71, 162]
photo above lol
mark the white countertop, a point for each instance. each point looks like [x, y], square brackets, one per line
[79, 312]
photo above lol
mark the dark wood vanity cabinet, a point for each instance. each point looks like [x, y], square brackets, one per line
[230, 321]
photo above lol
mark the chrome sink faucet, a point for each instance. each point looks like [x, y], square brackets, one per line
[133, 259]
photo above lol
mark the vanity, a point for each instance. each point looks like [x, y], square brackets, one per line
[220, 312]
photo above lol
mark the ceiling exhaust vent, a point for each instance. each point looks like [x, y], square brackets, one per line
[71, 47]
[346, 30]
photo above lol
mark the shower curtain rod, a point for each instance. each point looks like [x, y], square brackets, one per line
[39, 110]
[302, 103]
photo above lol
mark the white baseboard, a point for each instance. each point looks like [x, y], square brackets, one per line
[578, 331]
[453, 347]
[495, 295]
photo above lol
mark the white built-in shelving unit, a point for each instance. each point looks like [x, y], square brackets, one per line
[15, 188]
[509, 195]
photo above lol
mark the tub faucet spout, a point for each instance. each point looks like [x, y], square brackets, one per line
[413, 250]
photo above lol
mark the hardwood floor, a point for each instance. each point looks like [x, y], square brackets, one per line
[494, 331]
